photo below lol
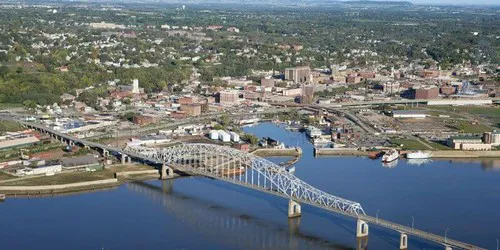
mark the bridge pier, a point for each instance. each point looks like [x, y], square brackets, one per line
[361, 228]
[86, 147]
[362, 243]
[294, 209]
[105, 153]
[124, 158]
[448, 248]
[166, 172]
[403, 241]
[129, 160]
[71, 143]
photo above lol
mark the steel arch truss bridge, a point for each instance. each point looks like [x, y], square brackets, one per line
[247, 170]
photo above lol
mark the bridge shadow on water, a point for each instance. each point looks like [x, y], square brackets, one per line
[229, 226]
[345, 223]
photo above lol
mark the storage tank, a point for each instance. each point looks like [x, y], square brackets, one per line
[235, 137]
[214, 134]
[224, 136]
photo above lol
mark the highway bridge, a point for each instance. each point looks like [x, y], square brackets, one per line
[244, 169]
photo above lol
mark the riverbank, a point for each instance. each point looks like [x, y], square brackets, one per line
[77, 181]
[269, 152]
[339, 151]
[435, 153]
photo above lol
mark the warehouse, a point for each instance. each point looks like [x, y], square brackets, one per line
[86, 162]
[409, 114]
[18, 143]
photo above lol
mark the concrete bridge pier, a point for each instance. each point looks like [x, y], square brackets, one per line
[294, 209]
[124, 158]
[71, 143]
[105, 153]
[86, 147]
[448, 248]
[361, 228]
[403, 241]
[166, 172]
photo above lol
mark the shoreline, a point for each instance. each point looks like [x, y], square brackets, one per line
[436, 154]
[82, 187]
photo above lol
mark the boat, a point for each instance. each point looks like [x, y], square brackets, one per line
[2, 197]
[391, 155]
[290, 169]
[418, 155]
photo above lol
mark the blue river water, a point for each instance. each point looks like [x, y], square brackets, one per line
[199, 213]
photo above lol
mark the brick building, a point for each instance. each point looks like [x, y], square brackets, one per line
[429, 92]
[191, 109]
[143, 120]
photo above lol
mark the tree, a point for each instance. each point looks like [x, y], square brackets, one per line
[252, 139]
[129, 116]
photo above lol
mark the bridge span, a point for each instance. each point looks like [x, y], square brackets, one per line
[244, 169]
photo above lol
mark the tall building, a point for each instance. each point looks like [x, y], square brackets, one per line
[228, 97]
[135, 86]
[298, 74]
[308, 94]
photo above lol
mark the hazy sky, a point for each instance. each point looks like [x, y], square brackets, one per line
[492, 2]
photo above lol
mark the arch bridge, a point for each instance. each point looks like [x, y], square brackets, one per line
[247, 170]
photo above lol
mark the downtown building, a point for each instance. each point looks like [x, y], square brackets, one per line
[298, 74]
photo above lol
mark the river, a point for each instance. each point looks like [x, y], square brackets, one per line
[199, 213]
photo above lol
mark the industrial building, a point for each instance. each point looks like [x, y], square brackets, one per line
[409, 114]
[46, 170]
[86, 162]
[12, 143]
[468, 143]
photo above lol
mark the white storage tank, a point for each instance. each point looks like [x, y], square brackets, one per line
[235, 137]
[214, 135]
[224, 136]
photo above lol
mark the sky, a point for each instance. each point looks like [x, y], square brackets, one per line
[456, 2]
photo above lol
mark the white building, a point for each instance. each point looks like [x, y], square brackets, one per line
[47, 170]
[214, 135]
[313, 132]
[234, 136]
[224, 136]
[409, 114]
[135, 86]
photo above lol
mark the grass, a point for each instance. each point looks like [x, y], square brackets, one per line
[4, 176]
[409, 144]
[466, 127]
[10, 105]
[438, 146]
[9, 126]
[488, 112]
[75, 177]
